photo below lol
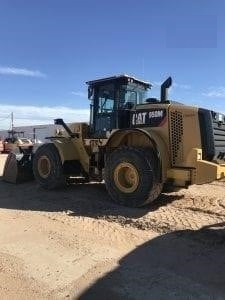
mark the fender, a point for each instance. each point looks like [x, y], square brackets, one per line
[72, 149]
[141, 137]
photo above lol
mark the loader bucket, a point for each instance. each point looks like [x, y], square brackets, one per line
[18, 168]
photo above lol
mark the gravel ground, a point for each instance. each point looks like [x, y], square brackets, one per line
[76, 244]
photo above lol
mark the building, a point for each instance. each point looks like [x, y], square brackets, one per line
[35, 133]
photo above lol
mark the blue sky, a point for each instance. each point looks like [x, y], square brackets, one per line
[48, 49]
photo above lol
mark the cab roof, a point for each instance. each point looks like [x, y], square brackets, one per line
[124, 79]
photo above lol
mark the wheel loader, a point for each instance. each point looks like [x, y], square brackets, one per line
[136, 144]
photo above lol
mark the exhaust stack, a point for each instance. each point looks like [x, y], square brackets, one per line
[164, 89]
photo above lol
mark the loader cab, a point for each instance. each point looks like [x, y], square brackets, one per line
[112, 99]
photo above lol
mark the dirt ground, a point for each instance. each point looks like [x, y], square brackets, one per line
[76, 244]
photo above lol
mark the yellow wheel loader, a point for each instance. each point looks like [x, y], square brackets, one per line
[136, 144]
[18, 165]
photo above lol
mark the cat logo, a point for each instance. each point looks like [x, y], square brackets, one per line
[146, 117]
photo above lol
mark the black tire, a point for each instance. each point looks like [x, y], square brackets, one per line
[131, 176]
[47, 167]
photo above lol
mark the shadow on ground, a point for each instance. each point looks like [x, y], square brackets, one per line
[90, 200]
[180, 265]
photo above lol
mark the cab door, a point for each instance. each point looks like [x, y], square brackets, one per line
[105, 110]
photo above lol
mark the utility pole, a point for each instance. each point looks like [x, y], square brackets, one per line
[12, 125]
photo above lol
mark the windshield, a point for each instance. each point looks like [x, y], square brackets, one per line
[132, 93]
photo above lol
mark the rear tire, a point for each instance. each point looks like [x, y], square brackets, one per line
[131, 176]
[47, 167]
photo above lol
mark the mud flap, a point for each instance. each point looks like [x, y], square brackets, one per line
[18, 168]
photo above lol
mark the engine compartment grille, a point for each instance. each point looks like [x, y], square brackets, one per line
[176, 118]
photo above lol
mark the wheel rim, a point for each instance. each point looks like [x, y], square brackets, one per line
[44, 166]
[126, 177]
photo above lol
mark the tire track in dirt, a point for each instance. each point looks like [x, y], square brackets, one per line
[190, 208]
[84, 232]
[187, 211]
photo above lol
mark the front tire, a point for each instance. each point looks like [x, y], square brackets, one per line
[131, 176]
[47, 167]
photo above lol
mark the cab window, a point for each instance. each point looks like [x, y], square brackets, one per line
[106, 99]
[133, 94]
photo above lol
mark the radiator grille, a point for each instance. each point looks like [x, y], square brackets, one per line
[176, 136]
